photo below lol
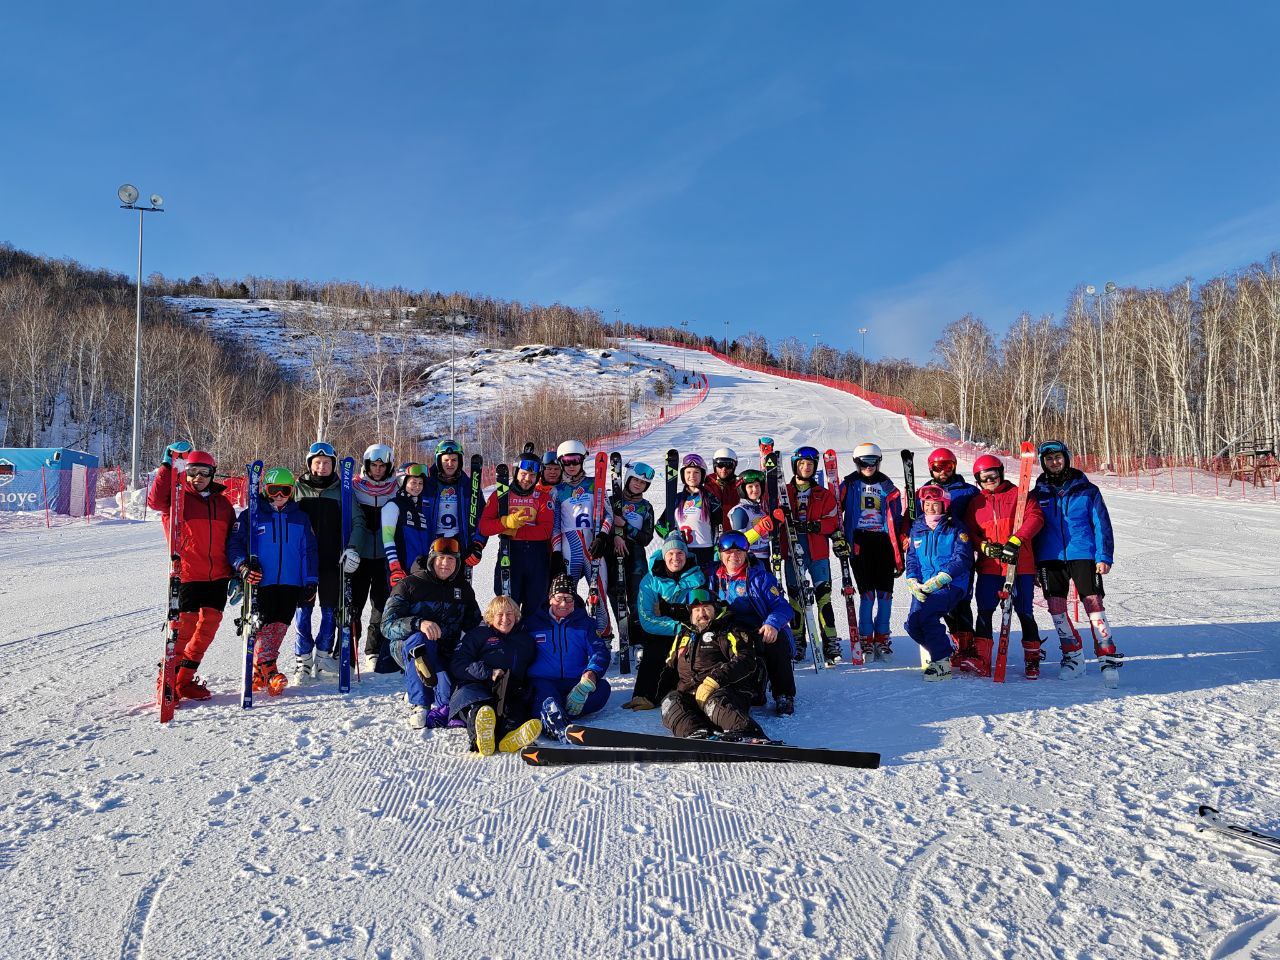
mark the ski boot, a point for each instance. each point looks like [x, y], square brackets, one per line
[302, 667]
[417, 718]
[1109, 663]
[868, 646]
[784, 706]
[1031, 657]
[1072, 665]
[831, 650]
[260, 677]
[977, 661]
[639, 703]
[520, 737]
[191, 687]
[438, 717]
[486, 721]
[938, 670]
[802, 652]
[554, 723]
[276, 681]
[884, 647]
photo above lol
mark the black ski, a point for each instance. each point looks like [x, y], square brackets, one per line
[473, 504]
[769, 464]
[530, 448]
[599, 737]
[1213, 820]
[573, 756]
[503, 474]
[673, 474]
[249, 620]
[345, 606]
[615, 471]
[909, 479]
[800, 571]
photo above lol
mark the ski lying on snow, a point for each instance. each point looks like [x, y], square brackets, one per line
[569, 756]
[1213, 820]
[598, 737]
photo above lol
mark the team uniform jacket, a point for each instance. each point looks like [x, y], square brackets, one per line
[573, 511]
[872, 505]
[633, 518]
[207, 522]
[566, 648]
[1076, 523]
[990, 519]
[813, 503]
[455, 496]
[662, 587]
[961, 493]
[407, 528]
[754, 597]
[482, 650]
[699, 513]
[537, 505]
[725, 653]
[450, 604]
[947, 548]
[283, 543]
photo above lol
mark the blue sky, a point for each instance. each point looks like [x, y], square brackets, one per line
[793, 168]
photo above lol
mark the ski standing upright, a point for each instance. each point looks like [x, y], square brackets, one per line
[842, 548]
[348, 468]
[1028, 460]
[909, 515]
[473, 503]
[672, 475]
[502, 491]
[595, 572]
[167, 686]
[808, 601]
[249, 621]
[769, 464]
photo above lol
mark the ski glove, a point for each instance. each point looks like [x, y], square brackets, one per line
[917, 591]
[397, 572]
[250, 570]
[1009, 552]
[763, 527]
[599, 546]
[474, 554]
[840, 546]
[513, 522]
[425, 673]
[179, 448]
[993, 549]
[308, 595]
[705, 689]
[577, 698]
[936, 582]
[809, 526]
[350, 560]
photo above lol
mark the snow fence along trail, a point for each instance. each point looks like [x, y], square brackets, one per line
[1037, 819]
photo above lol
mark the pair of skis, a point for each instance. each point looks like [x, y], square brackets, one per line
[621, 610]
[595, 573]
[618, 746]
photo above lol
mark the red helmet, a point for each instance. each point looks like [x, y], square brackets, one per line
[198, 458]
[941, 455]
[931, 491]
[987, 462]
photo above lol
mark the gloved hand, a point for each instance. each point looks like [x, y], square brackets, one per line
[840, 546]
[1009, 552]
[250, 570]
[936, 582]
[473, 554]
[763, 527]
[350, 560]
[599, 546]
[513, 522]
[308, 595]
[425, 673]
[662, 528]
[917, 591]
[810, 526]
[397, 572]
[992, 548]
[577, 697]
[705, 689]
[179, 449]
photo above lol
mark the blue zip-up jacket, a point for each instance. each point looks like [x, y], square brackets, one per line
[1076, 523]
[945, 549]
[756, 599]
[960, 491]
[565, 648]
[283, 543]
[407, 529]
[661, 584]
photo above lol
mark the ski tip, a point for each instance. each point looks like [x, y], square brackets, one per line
[576, 733]
[530, 756]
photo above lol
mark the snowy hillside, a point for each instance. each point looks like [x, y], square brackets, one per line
[1034, 819]
[486, 376]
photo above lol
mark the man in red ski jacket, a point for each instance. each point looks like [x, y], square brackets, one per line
[207, 520]
[989, 517]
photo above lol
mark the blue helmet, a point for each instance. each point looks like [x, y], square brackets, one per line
[1055, 446]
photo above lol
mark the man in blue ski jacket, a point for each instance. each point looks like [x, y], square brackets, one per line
[566, 678]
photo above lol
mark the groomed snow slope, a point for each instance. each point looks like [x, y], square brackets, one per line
[1036, 819]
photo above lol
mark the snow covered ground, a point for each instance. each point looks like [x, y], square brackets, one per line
[1034, 819]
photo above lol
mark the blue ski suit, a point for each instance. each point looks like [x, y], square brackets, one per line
[945, 549]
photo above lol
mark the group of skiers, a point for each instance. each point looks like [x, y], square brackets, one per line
[708, 611]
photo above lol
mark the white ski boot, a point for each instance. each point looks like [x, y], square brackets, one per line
[1109, 666]
[418, 718]
[1072, 666]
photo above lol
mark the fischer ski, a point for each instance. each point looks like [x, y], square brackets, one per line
[249, 620]
[167, 684]
[1211, 819]
[769, 464]
[503, 475]
[473, 506]
[672, 475]
[343, 653]
[808, 601]
[856, 656]
[1028, 460]
[601, 737]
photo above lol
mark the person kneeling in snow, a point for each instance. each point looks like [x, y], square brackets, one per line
[939, 558]
[715, 661]
[423, 621]
[567, 675]
[491, 681]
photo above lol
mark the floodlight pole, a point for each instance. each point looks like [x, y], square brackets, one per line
[136, 452]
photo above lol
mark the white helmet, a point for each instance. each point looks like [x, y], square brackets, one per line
[569, 448]
[724, 453]
[379, 451]
[868, 451]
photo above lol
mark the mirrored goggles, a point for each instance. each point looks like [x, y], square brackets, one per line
[279, 490]
[321, 449]
[206, 472]
[643, 471]
[446, 546]
[415, 470]
[531, 464]
[867, 461]
[732, 541]
[571, 460]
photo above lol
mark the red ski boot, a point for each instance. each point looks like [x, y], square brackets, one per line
[978, 663]
[1032, 655]
[191, 687]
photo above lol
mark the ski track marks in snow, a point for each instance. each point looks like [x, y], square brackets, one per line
[1038, 819]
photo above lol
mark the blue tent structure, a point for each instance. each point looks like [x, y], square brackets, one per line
[53, 478]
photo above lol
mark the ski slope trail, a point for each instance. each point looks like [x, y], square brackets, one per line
[1033, 819]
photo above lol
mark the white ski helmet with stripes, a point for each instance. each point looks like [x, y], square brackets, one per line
[379, 451]
[870, 452]
[724, 453]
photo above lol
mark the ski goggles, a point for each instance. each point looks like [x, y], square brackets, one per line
[448, 446]
[942, 465]
[206, 472]
[530, 464]
[279, 490]
[572, 460]
[932, 494]
[415, 470]
[643, 471]
[733, 540]
[724, 462]
[867, 461]
[445, 546]
[321, 449]
[990, 476]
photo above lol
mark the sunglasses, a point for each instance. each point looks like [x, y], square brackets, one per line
[571, 461]
[279, 490]
[200, 472]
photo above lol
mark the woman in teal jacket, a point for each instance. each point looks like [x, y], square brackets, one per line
[667, 586]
